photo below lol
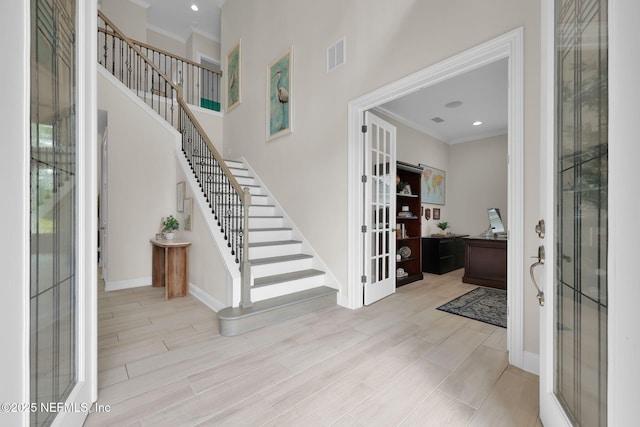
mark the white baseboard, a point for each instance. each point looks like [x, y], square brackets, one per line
[205, 298]
[531, 362]
[127, 284]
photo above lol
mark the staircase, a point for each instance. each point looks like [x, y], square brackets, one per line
[281, 277]
[286, 281]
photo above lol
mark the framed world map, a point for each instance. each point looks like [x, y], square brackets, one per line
[433, 185]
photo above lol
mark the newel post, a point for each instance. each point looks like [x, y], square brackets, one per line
[245, 266]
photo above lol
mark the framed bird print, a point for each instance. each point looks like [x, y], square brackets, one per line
[279, 95]
[234, 76]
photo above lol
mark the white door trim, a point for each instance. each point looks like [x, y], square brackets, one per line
[623, 290]
[550, 408]
[509, 45]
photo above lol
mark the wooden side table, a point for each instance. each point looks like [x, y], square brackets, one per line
[170, 266]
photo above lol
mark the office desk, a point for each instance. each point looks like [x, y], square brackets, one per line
[485, 262]
[170, 266]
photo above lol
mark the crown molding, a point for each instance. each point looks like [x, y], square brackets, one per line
[165, 33]
[141, 3]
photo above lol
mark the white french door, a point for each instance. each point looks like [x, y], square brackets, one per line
[379, 222]
[574, 185]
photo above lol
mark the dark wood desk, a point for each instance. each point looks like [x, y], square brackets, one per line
[485, 262]
[170, 267]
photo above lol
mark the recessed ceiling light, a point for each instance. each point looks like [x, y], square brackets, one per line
[477, 123]
[453, 104]
[194, 7]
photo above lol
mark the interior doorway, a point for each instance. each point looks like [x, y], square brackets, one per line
[508, 46]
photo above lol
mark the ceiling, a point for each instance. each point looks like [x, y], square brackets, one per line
[176, 18]
[483, 93]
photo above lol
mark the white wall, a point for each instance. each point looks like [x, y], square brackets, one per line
[207, 270]
[167, 43]
[197, 44]
[385, 42]
[416, 147]
[476, 180]
[129, 17]
[141, 179]
[211, 122]
[14, 258]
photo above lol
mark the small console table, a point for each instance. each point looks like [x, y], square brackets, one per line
[170, 267]
[485, 262]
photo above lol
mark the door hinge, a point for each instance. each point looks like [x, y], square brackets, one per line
[364, 228]
[364, 128]
[363, 279]
[364, 178]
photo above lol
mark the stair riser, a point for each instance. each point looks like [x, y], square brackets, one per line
[234, 164]
[260, 200]
[276, 290]
[258, 210]
[269, 236]
[265, 222]
[239, 172]
[242, 180]
[273, 251]
[281, 267]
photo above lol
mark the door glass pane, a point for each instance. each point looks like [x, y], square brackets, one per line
[380, 201]
[581, 205]
[53, 205]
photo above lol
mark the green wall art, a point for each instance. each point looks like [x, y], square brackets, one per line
[279, 96]
[234, 76]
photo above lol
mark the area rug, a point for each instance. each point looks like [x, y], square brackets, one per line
[487, 305]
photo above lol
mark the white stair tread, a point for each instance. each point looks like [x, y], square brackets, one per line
[286, 277]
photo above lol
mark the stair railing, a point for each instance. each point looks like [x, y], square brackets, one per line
[200, 84]
[228, 201]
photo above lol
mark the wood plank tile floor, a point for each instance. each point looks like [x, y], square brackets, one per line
[398, 362]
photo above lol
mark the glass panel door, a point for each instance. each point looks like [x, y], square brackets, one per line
[580, 312]
[380, 208]
[53, 342]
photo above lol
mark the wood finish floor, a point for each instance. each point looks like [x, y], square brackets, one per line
[397, 362]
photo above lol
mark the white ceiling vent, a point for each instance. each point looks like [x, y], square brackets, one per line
[336, 55]
[437, 120]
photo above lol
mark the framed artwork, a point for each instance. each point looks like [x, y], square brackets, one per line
[436, 213]
[188, 214]
[433, 186]
[279, 96]
[180, 196]
[234, 76]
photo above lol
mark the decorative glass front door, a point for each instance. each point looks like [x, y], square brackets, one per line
[581, 128]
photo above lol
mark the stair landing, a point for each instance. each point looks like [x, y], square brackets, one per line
[236, 320]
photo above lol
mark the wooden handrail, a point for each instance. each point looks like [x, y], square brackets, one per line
[179, 58]
[212, 148]
[183, 104]
[121, 35]
[239, 241]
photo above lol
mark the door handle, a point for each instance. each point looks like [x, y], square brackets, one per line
[540, 261]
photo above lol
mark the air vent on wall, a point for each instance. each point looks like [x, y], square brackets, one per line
[437, 120]
[336, 54]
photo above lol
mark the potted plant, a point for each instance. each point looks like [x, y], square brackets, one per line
[443, 225]
[169, 226]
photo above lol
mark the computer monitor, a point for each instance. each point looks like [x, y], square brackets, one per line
[495, 221]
